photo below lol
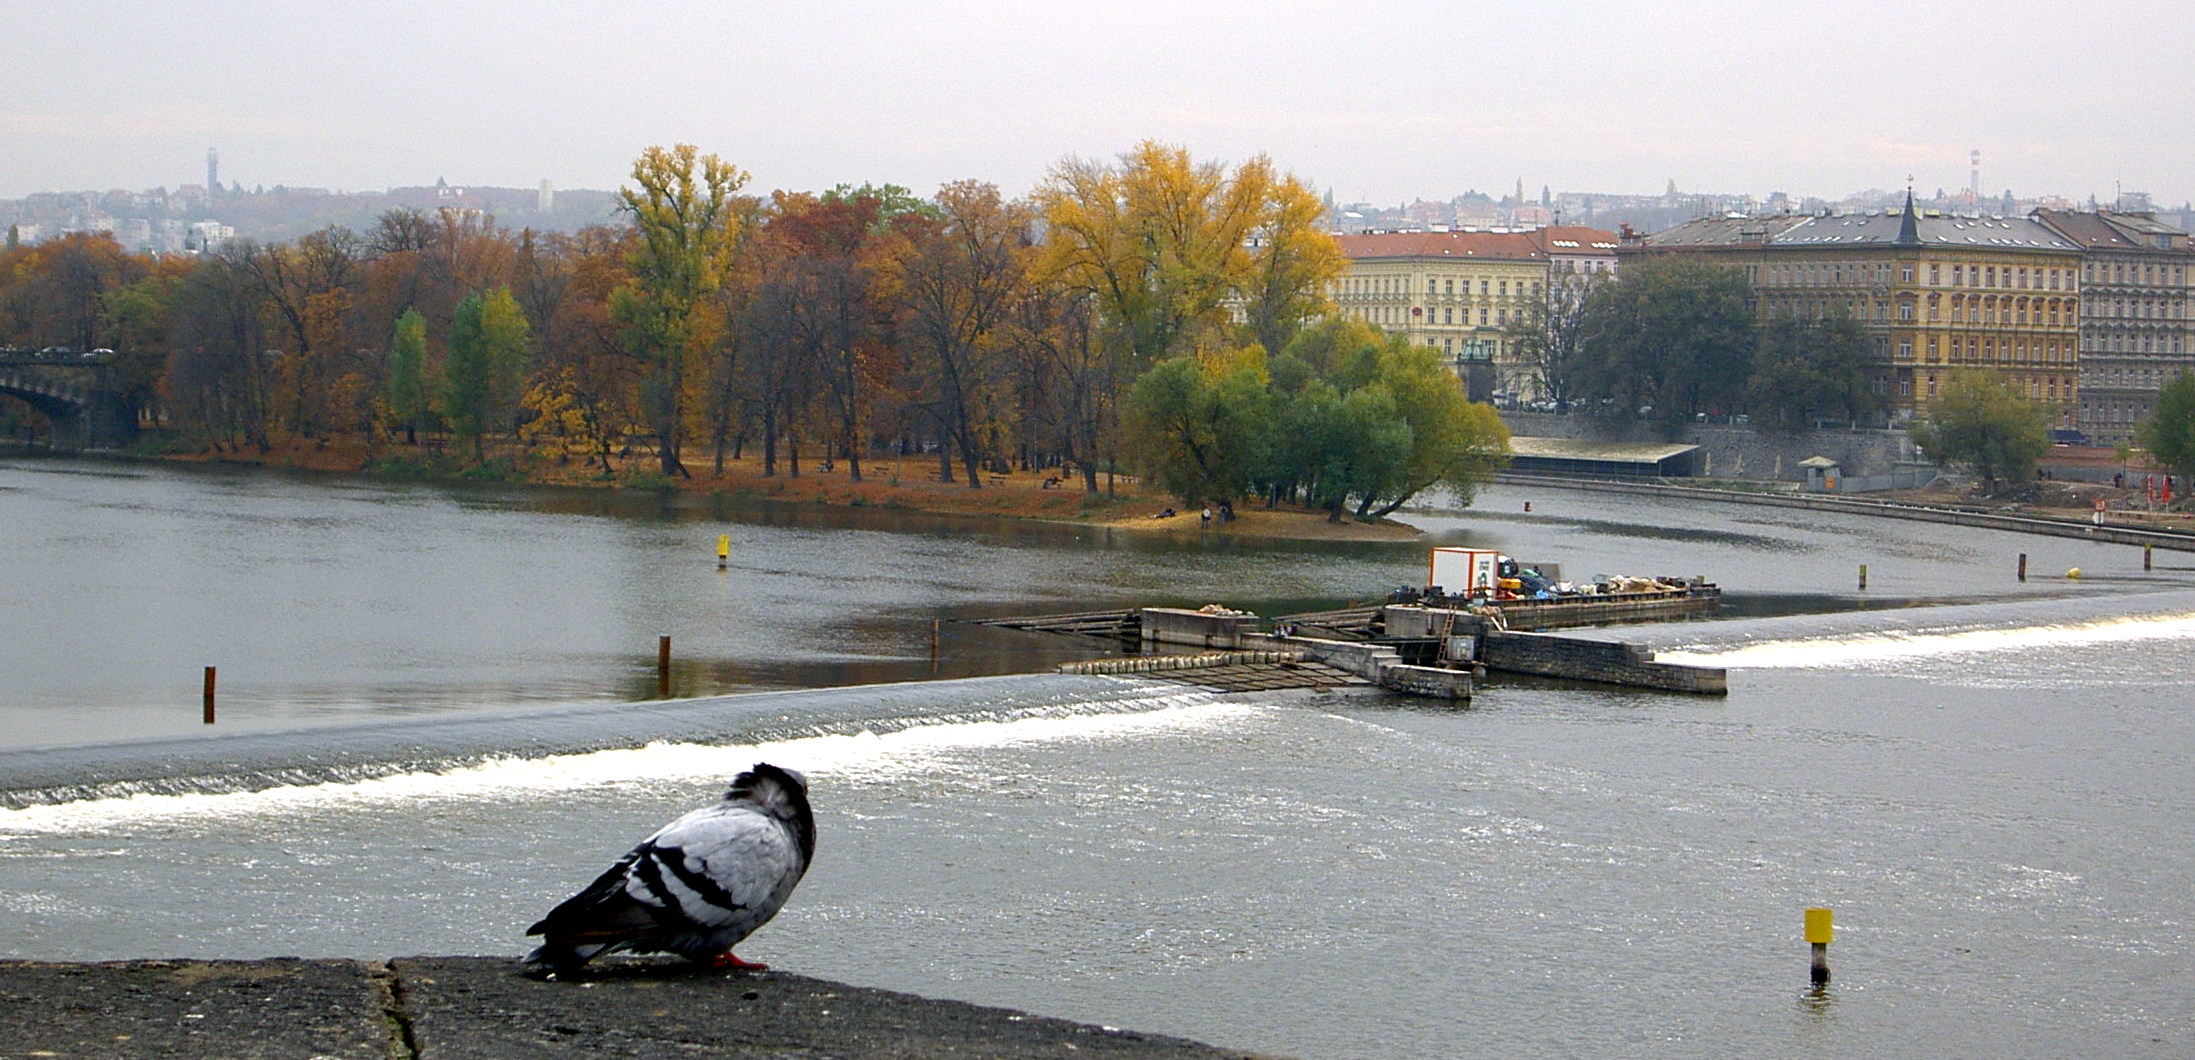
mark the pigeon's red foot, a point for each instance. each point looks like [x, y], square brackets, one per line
[728, 959]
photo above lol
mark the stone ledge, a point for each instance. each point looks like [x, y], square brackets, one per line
[481, 1008]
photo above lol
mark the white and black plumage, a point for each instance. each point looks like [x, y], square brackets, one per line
[696, 888]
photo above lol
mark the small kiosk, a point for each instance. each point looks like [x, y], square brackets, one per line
[1464, 571]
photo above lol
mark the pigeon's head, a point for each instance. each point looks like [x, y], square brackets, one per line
[775, 790]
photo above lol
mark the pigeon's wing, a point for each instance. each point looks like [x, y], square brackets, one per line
[723, 865]
[603, 911]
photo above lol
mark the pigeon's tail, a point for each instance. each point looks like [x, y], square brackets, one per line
[556, 957]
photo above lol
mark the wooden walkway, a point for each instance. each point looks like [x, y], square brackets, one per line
[1349, 623]
[1263, 677]
[1225, 671]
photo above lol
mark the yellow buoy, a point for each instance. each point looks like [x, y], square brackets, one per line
[2074, 573]
[1820, 926]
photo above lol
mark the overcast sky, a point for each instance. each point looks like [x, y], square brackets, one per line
[1380, 102]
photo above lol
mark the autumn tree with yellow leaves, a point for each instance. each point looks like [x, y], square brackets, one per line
[684, 215]
[1172, 249]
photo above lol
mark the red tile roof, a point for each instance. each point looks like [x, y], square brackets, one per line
[1575, 239]
[1490, 246]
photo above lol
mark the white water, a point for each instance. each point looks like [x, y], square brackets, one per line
[866, 755]
[1875, 651]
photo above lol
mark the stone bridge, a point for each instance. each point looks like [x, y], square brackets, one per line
[76, 394]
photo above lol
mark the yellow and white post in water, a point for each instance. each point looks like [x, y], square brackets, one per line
[723, 551]
[1819, 928]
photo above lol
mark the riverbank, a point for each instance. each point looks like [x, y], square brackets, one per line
[480, 1008]
[910, 484]
[2052, 516]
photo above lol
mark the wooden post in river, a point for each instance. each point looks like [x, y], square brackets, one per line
[209, 695]
[663, 666]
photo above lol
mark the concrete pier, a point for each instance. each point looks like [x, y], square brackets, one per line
[1196, 629]
[1476, 639]
[480, 1008]
[1608, 662]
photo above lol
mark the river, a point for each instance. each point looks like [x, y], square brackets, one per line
[1992, 794]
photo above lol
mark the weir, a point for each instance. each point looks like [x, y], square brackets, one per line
[229, 762]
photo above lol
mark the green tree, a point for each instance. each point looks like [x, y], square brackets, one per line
[1669, 337]
[486, 370]
[1448, 441]
[1984, 423]
[1805, 369]
[684, 214]
[1198, 427]
[1453, 442]
[1335, 447]
[139, 320]
[2169, 433]
[407, 383]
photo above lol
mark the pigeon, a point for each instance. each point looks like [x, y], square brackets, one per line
[695, 888]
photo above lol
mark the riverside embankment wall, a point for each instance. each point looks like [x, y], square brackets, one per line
[2109, 534]
[1743, 451]
[481, 1008]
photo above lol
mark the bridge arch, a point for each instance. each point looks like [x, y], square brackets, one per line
[80, 400]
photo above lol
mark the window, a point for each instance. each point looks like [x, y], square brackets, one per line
[1482, 290]
[1432, 286]
[1504, 288]
[1905, 274]
[1905, 310]
[1935, 275]
[1451, 287]
[1448, 316]
[1958, 275]
[1905, 350]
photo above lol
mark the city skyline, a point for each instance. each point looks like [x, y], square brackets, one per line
[1410, 100]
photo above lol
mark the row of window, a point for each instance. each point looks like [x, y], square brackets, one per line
[2020, 277]
[2133, 272]
[1965, 309]
[2138, 378]
[2136, 309]
[2113, 412]
[1994, 309]
[1399, 315]
[2120, 342]
[1847, 273]
[1437, 286]
[1989, 349]
[2047, 388]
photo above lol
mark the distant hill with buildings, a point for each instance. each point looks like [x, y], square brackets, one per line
[188, 218]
